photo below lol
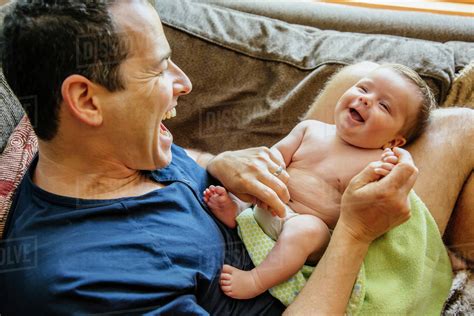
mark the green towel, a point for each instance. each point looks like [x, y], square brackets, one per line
[406, 271]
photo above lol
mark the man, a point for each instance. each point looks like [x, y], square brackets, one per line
[112, 238]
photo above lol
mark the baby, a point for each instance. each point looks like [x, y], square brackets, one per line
[388, 108]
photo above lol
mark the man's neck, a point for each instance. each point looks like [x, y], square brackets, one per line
[92, 178]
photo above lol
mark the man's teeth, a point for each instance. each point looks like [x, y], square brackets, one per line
[166, 133]
[170, 114]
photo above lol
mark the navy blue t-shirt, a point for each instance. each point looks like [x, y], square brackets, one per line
[159, 253]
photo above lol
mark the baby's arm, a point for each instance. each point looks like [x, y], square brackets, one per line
[291, 142]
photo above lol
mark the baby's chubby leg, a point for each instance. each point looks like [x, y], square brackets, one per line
[221, 204]
[303, 236]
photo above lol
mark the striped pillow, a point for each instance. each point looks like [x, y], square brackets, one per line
[14, 161]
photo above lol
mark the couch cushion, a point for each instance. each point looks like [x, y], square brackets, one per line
[254, 76]
[463, 53]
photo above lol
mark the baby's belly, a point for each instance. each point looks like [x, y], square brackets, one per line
[311, 194]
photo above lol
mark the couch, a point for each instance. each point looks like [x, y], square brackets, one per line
[256, 67]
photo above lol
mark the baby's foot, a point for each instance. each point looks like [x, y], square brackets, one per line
[240, 284]
[221, 205]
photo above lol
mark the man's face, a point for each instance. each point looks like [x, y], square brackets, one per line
[153, 84]
[373, 112]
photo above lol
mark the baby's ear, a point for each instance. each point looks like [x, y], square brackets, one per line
[399, 141]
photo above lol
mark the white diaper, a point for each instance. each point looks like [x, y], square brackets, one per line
[272, 225]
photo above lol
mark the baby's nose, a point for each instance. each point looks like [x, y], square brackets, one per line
[364, 100]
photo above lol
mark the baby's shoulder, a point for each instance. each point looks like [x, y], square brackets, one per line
[315, 124]
[318, 129]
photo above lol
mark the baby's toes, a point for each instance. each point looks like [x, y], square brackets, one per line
[220, 190]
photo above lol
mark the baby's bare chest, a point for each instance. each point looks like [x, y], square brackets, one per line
[331, 162]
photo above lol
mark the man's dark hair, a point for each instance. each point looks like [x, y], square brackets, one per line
[48, 40]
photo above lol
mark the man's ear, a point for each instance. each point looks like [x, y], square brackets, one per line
[398, 141]
[78, 94]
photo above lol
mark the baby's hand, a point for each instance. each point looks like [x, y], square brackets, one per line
[388, 160]
[389, 156]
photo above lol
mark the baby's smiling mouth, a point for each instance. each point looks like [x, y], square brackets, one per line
[356, 116]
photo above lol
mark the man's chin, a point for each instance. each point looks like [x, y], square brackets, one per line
[163, 160]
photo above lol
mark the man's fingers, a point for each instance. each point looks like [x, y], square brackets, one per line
[390, 159]
[263, 195]
[271, 172]
[270, 198]
[387, 166]
[253, 174]
[274, 183]
[381, 171]
[276, 156]
[367, 175]
[412, 179]
[404, 174]
[277, 159]
[277, 172]
[403, 155]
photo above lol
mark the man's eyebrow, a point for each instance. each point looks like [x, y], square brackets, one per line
[157, 63]
[165, 56]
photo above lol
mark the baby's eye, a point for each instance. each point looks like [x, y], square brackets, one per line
[385, 106]
[363, 89]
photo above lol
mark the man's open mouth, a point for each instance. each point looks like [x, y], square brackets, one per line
[356, 116]
[168, 115]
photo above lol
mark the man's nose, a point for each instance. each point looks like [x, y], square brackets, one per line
[181, 85]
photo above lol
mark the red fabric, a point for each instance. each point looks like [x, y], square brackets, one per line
[14, 161]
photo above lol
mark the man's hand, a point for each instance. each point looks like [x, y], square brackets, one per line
[372, 205]
[249, 174]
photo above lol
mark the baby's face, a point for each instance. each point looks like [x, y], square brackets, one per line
[372, 113]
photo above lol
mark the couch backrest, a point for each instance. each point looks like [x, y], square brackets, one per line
[456, 32]
[338, 17]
